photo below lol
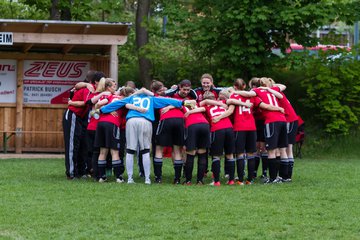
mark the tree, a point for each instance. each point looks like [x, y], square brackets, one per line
[237, 36]
[142, 38]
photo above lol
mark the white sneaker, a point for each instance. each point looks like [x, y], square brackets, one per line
[101, 180]
[148, 181]
[119, 180]
[130, 181]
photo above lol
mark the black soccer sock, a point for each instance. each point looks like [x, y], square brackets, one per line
[226, 168]
[201, 166]
[265, 163]
[240, 167]
[251, 161]
[122, 167]
[177, 168]
[284, 168]
[257, 163]
[101, 169]
[189, 167]
[158, 162]
[272, 168]
[94, 160]
[215, 166]
[278, 159]
[290, 168]
[116, 168]
[231, 168]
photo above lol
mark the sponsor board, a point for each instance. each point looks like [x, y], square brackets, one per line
[49, 82]
[7, 81]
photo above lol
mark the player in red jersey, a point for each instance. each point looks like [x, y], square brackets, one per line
[245, 129]
[292, 125]
[275, 128]
[222, 135]
[74, 128]
[207, 85]
[197, 140]
[107, 135]
[170, 133]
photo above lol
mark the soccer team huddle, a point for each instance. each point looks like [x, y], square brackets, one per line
[233, 127]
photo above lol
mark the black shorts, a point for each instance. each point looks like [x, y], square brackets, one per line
[260, 124]
[275, 135]
[107, 136]
[291, 131]
[170, 132]
[221, 140]
[245, 142]
[197, 136]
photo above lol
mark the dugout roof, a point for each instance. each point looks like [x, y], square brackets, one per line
[63, 37]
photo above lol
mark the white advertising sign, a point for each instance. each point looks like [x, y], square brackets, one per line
[49, 82]
[7, 81]
[6, 38]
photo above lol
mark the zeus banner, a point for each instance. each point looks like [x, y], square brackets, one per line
[49, 82]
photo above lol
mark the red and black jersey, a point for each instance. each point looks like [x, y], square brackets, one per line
[243, 116]
[269, 98]
[290, 113]
[200, 93]
[175, 112]
[113, 117]
[194, 118]
[80, 95]
[213, 111]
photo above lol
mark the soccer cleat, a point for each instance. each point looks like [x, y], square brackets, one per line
[187, 183]
[158, 180]
[147, 181]
[101, 180]
[276, 180]
[239, 183]
[176, 181]
[130, 181]
[288, 180]
[248, 182]
[120, 180]
[230, 182]
[216, 184]
[199, 182]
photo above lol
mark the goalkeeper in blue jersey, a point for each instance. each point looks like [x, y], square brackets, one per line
[139, 126]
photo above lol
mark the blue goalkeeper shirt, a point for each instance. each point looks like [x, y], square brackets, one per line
[143, 101]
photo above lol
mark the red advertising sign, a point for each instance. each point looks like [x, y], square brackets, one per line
[49, 82]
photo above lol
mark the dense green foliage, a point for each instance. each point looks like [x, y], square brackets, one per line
[37, 202]
[232, 39]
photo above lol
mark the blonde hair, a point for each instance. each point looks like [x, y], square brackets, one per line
[254, 82]
[240, 84]
[208, 95]
[126, 91]
[101, 85]
[265, 82]
[226, 92]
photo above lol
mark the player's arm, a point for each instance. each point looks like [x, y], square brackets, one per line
[115, 105]
[133, 107]
[96, 98]
[245, 93]
[195, 110]
[225, 114]
[271, 107]
[167, 108]
[76, 103]
[238, 102]
[274, 92]
[101, 103]
[213, 103]
[81, 85]
[282, 87]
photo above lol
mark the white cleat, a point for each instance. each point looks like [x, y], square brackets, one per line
[130, 181]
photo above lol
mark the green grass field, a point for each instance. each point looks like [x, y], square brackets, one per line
[37, 202]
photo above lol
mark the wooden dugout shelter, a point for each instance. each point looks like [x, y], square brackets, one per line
[48, 50]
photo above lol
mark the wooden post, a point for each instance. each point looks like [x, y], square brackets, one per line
[114, 61]
[19, 105]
